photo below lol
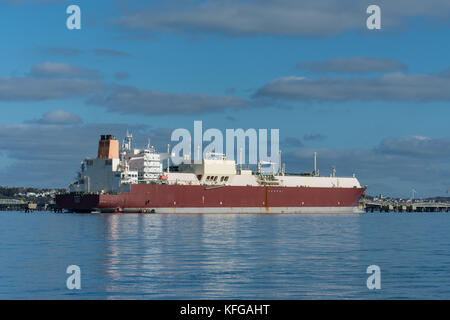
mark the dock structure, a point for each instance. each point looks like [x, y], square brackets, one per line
[27, 206]
[404, 206]
[17, 205]
[12, 204]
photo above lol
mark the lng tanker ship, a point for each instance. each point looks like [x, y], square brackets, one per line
[133, 180]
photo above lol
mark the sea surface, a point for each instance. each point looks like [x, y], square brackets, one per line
[157, 256]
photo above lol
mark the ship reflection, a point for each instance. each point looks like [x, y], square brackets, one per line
[228, 256]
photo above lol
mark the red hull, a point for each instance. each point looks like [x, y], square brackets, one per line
[151, 197]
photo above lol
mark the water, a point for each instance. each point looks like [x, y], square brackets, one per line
[224, 256]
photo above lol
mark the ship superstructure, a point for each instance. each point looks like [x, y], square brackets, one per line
[114, 170]
[133, 180]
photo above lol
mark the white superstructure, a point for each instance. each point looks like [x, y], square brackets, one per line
[99, 174]
[112, 171]
[146, 162]
[218, 170]
[115, 171]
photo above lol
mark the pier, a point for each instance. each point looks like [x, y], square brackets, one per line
[12, 204]
[372, 205]
[27, 206]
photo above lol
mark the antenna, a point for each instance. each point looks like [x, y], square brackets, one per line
[168, 157]
[315, 163]
[279, 161]
[240, 159]
[413, 192]
[128, 139]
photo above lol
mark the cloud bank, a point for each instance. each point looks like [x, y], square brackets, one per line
[394, 166]
[57, 117]
[128, 99]
[281, 17]
[46, 152]
[388, 87]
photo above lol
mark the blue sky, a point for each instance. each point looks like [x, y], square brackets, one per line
[374, 103]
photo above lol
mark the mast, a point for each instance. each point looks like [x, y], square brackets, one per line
[279, 162]
[168, 157]
[127, 141]
[315, 163]
[240, 159]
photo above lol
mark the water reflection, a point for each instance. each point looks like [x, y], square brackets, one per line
[231, 256]
[226, 256]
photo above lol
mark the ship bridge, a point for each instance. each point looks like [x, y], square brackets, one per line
[214, 169]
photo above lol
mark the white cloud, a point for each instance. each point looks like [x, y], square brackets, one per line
[58, 117]
[57, 69]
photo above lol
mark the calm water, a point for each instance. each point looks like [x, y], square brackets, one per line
[224, 256]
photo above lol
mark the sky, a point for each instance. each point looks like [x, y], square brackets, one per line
[374, 103]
